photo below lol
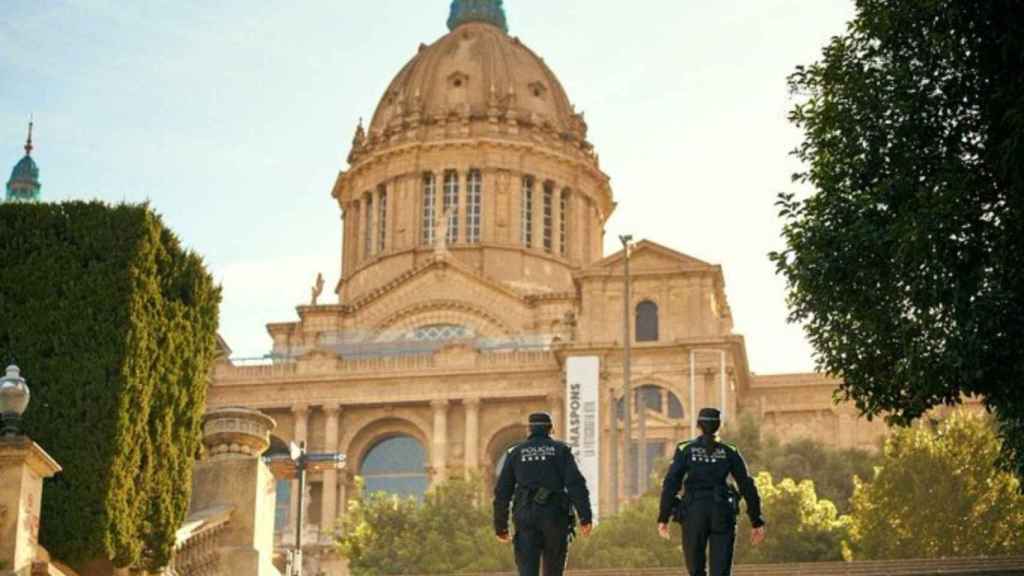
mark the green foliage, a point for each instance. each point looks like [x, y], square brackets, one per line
[938, 494]
[449, 532]
[904, 264]
[628, 540]
[114, 325]
[802, 527]
[831, 470]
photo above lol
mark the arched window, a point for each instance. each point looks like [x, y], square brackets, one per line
[647, 321]
[473, 193]
[657, 399]
[368, 232]
[428, 216]
[549, 207]
[382, 217]
[396, 465]
[526, 212]
[563, 218]
[441, 333]
[450, 209]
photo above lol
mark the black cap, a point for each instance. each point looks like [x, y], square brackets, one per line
[709, 415]
[540, 418]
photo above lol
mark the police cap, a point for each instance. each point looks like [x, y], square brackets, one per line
[540, 419]
[709, 415]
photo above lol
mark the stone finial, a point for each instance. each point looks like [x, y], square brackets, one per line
[487, 11]
[235, 432]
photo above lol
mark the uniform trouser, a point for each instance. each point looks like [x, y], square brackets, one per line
[542, 535]
[709, 524]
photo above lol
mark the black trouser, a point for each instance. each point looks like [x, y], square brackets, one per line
[542, 531]
[709, 521]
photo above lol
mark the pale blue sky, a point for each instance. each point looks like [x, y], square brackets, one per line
[233, 117]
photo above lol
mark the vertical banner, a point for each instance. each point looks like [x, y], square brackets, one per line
[583, 420]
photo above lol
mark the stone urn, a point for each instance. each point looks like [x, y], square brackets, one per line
[236, 432]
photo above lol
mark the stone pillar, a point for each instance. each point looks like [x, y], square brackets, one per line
[356, 221]
[23, 466]
[472, 406]
[556, 405]
[556, 221]
[440, 440]
[300, 413]
[329, 502]
[233, 481]
[371, 223]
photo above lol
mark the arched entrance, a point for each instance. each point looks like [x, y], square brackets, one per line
[396, 465]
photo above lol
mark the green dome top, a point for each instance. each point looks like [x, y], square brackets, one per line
[24, 184]
[487, 11]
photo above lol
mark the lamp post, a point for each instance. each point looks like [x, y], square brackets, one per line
[296, 463]
[627, 394]
[14, 397]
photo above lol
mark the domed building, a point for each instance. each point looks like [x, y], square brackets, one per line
[475, 290]
[24, 185]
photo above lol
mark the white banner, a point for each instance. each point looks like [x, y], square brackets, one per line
[583, 420]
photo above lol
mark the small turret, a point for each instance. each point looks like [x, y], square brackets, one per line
[24, 184]
[487, 11]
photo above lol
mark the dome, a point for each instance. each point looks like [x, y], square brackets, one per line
[25, 170]
[476, 72]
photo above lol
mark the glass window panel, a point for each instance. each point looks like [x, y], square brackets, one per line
[451, 206]
[646, 321]
[526, 212]
[549, 193]
[396, 465]
[382, 217]
[428, 220]
[473, 194]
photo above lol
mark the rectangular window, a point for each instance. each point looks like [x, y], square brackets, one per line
[451, 206]
[549, 193]
[368, 232]
[526, 212]
[473, 194]
[563, 219]
[382, 217]
[427, 222]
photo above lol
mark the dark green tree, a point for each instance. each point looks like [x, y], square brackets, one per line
[114, 324]
[902, 263]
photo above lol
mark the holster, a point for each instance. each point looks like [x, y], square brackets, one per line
[680, 508]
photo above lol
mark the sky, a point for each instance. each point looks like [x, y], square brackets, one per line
[232, 119]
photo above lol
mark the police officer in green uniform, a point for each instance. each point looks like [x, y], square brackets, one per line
[542, 482]
[709, 505]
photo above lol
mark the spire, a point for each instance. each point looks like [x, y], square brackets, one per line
[487, 11]
[28, 143]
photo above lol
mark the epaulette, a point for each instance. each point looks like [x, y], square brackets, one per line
[682, 445]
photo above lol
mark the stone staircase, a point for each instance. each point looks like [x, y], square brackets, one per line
[1000, 566]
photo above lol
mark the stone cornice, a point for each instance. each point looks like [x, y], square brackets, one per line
[21, 450]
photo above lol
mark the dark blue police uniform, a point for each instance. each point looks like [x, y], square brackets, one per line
[541, 481]
[709, 505]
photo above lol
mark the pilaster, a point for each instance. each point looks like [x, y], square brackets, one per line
[23, 467]
[329, 502]
[440, 441]
[472, 458]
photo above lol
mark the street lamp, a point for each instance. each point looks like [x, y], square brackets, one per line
[14, 397]
[295, 464]
[627, 396]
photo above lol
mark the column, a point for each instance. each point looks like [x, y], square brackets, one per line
[664, 401]
[329, 503]
[556, 406]
[440, 441]
[472, 406]
[300, 413]
[352, 225]
[371, 222]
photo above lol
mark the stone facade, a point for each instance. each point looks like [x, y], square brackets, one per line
[474, 210]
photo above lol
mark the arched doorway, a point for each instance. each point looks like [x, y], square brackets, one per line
[396, 465]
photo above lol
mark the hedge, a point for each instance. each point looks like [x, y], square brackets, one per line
[114, 325]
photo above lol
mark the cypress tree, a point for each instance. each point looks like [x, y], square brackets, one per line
[114, 324]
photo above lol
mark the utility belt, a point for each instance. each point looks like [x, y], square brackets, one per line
[720, 494]
[543, 498]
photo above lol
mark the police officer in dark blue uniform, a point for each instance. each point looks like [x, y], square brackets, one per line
[709, 505]
[541, 481]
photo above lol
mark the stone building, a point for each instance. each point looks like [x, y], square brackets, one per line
[474, 212]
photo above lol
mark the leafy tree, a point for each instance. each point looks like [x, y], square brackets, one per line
[803, 528]
[114, 324]
[831, 470]
[628, 540]
[449, 532]
[938, 494]
[903, 265]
